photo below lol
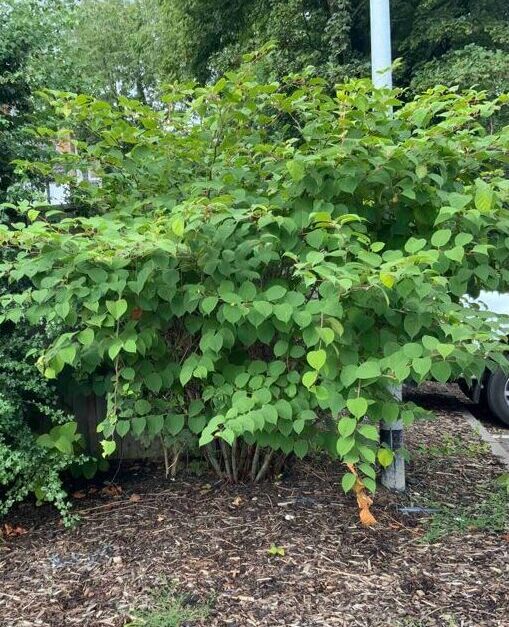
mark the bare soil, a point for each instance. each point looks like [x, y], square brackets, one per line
[211, 540]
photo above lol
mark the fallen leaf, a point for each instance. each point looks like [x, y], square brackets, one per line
[111, 490]
[13, 531]
[79, 494]
[134, 498]
[237, 501]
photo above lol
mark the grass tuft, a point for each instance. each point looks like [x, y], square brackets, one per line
[168, 609]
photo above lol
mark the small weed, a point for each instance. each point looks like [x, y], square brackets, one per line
[503, 482]
[169, 609]
[490, 515]
[451, 446]
[449, 621]
[276, 551]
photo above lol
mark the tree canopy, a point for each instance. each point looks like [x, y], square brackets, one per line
[451, 41]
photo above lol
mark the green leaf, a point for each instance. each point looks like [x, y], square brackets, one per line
[303, 318]
[367, 453]
[247, 291]
[326, 335]
[123, 427]
[385, 457]
[270, 414]
[412, 324]
[309, 378]
[117, 308]
[441, 371]
[368, 370]
[197, 423]
[317, 359]
[348, 481]
[115, 348]
[128, 373]
[142, 406]
[86, 337]
[348, 375]
[367, 469]
[421, 365]
[387, 279]
[208, 304]
[298, 425]
[369, 432]
[414, 245]
[441, 237]
[280, 348]
[283, 312]
[296, 170]
[300, 448]
[138, 425]
[284, 409]
[370, 484]
[130, 345]
[232, 313]
[445, 349]
[108, 447]
[178, 226]
[455, 254]
[228, 435]
[344, 446]
[187, 370]
[63, 309]
[155, 424]
[263, 308]
[357, 406]
[67, 354]
[483, 199]
[174, 423]
[276, 292]
[154, 382]
[346, 426]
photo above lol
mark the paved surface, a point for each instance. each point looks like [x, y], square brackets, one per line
[499, 443]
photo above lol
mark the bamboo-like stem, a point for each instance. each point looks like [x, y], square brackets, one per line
[226, 458]
[166, 461]
[278, 467]
[254, 465]
[244, 459]
[175, 462]
[265, 466]
[211, 456]
[235, 470]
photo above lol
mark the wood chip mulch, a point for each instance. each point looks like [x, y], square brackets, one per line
[211, 540]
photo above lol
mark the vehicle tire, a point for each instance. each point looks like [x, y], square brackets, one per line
[497, 394]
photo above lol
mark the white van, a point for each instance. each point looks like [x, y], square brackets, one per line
[493, 388]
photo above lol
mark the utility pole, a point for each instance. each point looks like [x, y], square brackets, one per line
[381, 54]
[391, 433]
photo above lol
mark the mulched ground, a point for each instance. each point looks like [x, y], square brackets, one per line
[212, 541]
[437, 396]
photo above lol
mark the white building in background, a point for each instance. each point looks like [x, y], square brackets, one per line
[57, 193]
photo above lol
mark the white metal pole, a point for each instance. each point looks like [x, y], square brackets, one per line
[381, 55]
[391, 434]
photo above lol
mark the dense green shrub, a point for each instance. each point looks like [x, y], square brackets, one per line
[262, 262]
[37, 438]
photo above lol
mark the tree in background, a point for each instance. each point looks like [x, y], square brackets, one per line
[115, 47]
[455, 42]
[31, 36]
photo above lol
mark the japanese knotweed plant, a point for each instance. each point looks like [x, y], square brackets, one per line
[263, 262]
